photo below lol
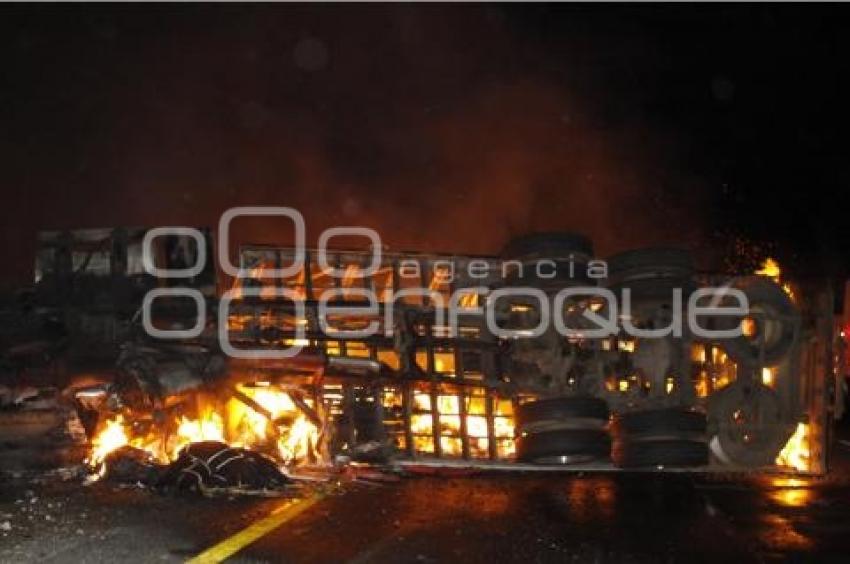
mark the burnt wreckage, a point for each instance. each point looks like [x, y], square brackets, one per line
[415, 390]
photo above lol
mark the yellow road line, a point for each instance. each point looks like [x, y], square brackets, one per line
[231, 545]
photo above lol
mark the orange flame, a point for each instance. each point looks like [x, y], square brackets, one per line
[450, 433]
[770, 269]
[112, 437]
[796, 454]
[282, 428]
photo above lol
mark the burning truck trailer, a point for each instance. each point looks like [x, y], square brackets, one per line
[417, 391]
[763, 400]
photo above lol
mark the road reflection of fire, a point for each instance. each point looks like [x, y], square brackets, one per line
[591, 498]
[790, 492]
[784, 496]
[782, 535]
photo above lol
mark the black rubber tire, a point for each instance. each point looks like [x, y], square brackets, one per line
[676, 453]
[765, 295]
[554, 409]
[552, 245]
[577, 445]
[653, 260]
[655, 290]
[569, 252]
[652, 274]
[670, 422]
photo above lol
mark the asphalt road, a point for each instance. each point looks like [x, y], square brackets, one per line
[591, 518]
[516, 518]
[50, 516]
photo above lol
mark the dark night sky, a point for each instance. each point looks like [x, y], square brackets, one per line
[444, 127]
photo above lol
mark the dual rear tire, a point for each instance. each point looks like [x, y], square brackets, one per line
[571, 430]
[660, 437]
[565, 430]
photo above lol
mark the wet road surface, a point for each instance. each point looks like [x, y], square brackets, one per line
[592, 518]
[517, 518]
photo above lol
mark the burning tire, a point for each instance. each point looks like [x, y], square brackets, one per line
[563, 430]
[775, 321]
[660, 437]
[564, 446]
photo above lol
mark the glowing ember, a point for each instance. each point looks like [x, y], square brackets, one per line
[749, 328]
[770, 268]
[468, 300]
[477, 433]
[768, 376]
[796, 453]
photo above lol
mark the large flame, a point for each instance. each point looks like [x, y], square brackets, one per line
[796, 454]
[299, 441]
[111, 437]
[281, 428]
[208, 427]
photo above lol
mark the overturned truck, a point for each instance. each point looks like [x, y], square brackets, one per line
[521, 359]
